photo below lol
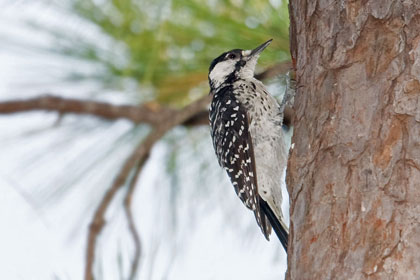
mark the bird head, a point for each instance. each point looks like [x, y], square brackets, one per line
[234, 65]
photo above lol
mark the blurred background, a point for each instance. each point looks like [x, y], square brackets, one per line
[55, 169]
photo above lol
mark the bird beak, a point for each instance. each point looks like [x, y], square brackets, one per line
[251, 58]
[260, 48]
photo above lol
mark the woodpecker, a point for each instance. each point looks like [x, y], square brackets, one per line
[246, 129]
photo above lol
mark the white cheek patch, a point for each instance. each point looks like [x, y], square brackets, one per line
[220, 72]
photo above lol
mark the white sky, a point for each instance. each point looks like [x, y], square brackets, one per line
[43, 236]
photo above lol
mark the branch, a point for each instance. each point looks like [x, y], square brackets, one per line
[138, 156]
[201, 118]
[131, 224]
[98, 221]
[147, 113]
[159, 117]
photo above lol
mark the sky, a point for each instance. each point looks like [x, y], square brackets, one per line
[54, 170]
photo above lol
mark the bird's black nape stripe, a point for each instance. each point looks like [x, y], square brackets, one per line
[216, 60]
[278, 228]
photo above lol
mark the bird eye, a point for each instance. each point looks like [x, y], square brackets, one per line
[231, 56]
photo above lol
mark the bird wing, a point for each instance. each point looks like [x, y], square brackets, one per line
[233, 145]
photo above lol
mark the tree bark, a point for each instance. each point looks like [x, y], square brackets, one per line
[354, 171]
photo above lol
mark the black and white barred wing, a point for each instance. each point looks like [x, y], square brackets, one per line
[233, 145]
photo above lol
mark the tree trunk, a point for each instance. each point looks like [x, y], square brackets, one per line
[354, 171]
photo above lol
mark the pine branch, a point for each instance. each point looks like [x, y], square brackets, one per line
[160, 118]
[131, 224]
[148, 113]
[138, 156]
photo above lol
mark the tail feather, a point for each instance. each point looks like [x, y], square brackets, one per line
[279, 228]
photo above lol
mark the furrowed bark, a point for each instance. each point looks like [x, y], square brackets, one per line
[354, 172]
